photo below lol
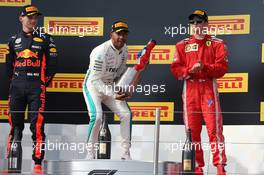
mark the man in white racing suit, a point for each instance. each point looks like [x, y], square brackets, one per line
[107, 63]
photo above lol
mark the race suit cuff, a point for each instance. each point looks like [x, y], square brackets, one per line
[187, 74]
[206, 67]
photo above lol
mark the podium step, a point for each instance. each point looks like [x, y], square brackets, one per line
[27, 166]
[100, 167]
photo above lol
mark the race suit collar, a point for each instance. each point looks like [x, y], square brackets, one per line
[112, 45]
[27, 34]
[206, 37]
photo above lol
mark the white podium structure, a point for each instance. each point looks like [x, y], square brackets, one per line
[100, 167]
[109, 167]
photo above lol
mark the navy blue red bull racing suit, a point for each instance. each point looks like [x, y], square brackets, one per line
[31, 64]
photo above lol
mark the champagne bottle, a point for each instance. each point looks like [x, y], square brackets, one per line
[188, 155]
[143, 56]
[104, 140]
[131, 77]
[15, 155]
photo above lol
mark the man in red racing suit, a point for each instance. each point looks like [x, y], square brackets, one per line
[199, 61]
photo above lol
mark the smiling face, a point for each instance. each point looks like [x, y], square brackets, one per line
[119, 39]
[199, 26]
[29, 22]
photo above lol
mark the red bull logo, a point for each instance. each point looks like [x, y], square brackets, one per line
[27, 54]
[27, 63]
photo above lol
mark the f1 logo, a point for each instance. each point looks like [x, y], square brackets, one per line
[102, 172]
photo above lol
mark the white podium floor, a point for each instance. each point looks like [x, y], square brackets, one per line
[244, 145]
[92, 167]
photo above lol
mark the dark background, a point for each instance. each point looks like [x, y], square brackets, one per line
[146, 20]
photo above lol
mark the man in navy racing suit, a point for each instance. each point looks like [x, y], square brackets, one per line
[31, 64]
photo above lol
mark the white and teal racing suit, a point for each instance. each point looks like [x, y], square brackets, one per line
[106, 64]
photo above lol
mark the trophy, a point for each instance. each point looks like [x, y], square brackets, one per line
[131, 77]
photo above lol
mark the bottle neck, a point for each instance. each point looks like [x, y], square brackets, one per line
[104, 122]
[189, 135]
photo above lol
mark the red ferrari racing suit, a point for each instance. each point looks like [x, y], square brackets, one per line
[200, 95]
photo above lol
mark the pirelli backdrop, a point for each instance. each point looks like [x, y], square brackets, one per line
[80, 25]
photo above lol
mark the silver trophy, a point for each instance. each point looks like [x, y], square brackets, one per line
[126, 84]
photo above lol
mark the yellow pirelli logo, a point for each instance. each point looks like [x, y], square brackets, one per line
[145, 111]
[233, 82]
[228, 25]
[74, 26]
[3, 52]
[66, 83]
[4, 109]
[262, 111]
[17, 3]
[262, 58]
[161, 54]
